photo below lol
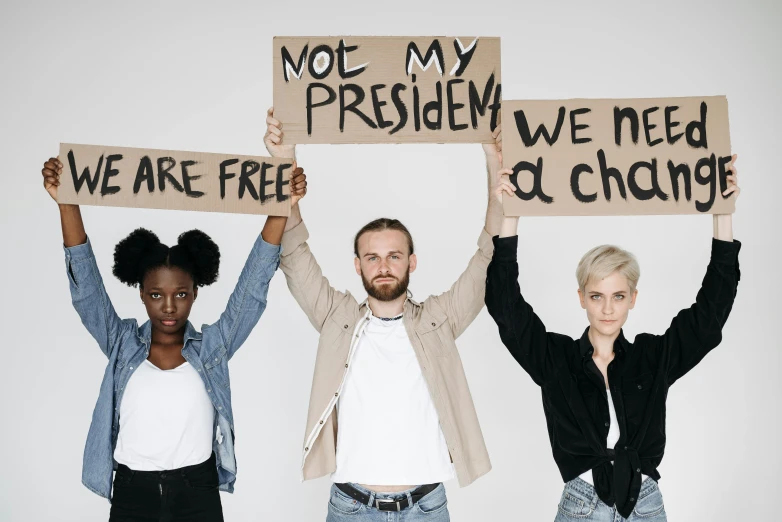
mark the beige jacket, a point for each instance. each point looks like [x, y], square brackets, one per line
[433, 327]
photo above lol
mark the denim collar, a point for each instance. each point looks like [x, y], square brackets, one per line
[145, 333]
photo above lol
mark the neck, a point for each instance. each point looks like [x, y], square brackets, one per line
[159, 337]
[387, 308]
[603, 344]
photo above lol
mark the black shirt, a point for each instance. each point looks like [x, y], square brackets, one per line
[574, 396]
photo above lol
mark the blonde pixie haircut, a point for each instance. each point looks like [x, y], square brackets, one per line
[604, 260]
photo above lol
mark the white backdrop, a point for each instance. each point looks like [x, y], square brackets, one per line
[198, 77]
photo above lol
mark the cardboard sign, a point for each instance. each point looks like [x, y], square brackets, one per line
[361, 89]
[608, 157]
[167, 179]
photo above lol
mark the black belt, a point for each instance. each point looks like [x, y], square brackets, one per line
[387, 504]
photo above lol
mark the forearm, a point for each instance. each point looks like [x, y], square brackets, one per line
[72, 226]
[294, 219]
[510, 226]
[494, 216]
[273, 229]
[723, 227]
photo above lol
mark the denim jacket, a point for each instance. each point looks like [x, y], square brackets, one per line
[127, 346]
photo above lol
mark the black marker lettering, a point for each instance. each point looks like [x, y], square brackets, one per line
[187, 178]
[321, 53]
[453, 107]
[675, 171]
[433, 54]
[109, 172]
[574, 186]
[352, 107]
[700, 126]
[435, 105]
[144, 173]
[265, 182]
[377, 105]
[710, 179]
[342, 60]
[282, 181]
[249, 167]
[575, 127]
[669, 125]
[226, 175]
[401, 108]
[619, 116]
[332, 96]
[92, 183]
[606, 174]
[287, 63]
[164, 173]
[537, 184]
[645, 194]
[649, 126]
[463, 56]
[523, 127]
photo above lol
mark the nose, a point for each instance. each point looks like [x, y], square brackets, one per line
[608, 307]
[169, 305]
[384, 268]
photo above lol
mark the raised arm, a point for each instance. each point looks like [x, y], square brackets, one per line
[464, 300]
[248, 300]
[697, 330]
[521, 330]
[88, 294]
[305, 279]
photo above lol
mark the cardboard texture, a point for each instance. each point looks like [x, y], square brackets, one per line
[361, 89]
[175, 180]
[686, 140]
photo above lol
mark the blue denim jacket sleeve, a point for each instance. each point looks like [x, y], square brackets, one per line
[90, 299]
[248, 300]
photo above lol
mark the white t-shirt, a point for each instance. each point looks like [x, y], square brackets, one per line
[166, 419]
[388, 429]
[611, 439]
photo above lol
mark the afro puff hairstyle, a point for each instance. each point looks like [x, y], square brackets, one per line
[142, 251]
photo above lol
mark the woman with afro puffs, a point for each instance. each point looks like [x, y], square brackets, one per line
[163, 420]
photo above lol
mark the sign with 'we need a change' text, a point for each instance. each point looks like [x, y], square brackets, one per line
[613, 157]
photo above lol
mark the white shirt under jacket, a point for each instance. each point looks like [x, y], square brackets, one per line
[166, 419]
[389, 432]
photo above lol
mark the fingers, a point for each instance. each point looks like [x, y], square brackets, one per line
[505, 172]
[51, 172]
[731, 190]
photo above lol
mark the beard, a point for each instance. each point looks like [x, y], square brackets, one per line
[389, 291]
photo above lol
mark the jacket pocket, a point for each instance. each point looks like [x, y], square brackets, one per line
[216, 367]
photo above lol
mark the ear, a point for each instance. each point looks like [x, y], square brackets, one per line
[195, 292]
[413, 262]
[357, 264]
[582, 299]
[141, 293]
[632, 299]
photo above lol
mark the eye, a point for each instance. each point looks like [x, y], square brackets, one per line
[154, 295]
[373, 258]
[182, 295]
[619, 297]
[394, 257]
[594, 297]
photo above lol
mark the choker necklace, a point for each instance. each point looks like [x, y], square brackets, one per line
[390, 318]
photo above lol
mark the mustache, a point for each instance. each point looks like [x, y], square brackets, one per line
[389, 276]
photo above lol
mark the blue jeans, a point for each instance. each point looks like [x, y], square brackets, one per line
[432, 508]
[580, 502]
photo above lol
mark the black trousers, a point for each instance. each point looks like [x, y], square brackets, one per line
[186, 494]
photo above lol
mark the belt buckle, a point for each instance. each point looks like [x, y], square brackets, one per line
[387, 501]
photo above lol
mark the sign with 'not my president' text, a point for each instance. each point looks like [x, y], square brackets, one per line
[387, 89]
[609, 157]
[177, 180]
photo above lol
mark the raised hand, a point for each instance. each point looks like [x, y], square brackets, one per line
[51, 176]
[298, 185]
[273, 139]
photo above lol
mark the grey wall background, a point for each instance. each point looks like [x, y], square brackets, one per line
[197, 76]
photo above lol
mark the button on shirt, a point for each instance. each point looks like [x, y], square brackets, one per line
[574, 398]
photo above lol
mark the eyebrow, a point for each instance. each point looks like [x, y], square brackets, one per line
[369, 254]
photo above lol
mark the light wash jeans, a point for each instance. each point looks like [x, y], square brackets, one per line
[580, 502]
[432, 508]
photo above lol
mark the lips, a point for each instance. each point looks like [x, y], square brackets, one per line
[168, 322]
